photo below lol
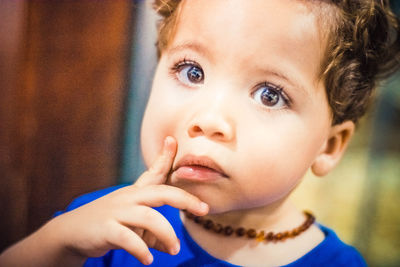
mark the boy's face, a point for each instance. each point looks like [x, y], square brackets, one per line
[238, 88]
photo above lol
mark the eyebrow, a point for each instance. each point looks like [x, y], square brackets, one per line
[197, 47]
[295, 83]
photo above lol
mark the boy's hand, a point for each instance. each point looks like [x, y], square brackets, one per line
[124, 218]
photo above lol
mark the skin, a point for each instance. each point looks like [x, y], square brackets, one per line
[262, 150]
[121, 219]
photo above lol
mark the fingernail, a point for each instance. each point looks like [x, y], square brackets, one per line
[203, 207]
[166, 141]
[149, 259]
[176, 248]
[167, 144]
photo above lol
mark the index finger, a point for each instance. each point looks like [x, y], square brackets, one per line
[159, 170]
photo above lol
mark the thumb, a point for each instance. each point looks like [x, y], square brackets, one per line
[158, 171]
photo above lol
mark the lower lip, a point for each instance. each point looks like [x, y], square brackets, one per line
[198, 173]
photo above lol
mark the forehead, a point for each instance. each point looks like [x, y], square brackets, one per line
[274, 31]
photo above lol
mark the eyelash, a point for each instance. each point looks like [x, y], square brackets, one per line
[180, 64]
[279, 89]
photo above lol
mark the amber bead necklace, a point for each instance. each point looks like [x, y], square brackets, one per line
[261, 235]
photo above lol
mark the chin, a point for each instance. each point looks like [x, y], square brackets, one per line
[215, 201]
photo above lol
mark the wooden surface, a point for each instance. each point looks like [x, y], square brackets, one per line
[13, 192]
[64, 76]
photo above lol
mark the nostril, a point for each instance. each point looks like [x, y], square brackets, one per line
[218, 134]
[218, 130]
[196, 129]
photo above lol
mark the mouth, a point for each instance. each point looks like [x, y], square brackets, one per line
[198, 168]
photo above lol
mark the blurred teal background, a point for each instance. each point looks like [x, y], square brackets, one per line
[143, 65]
[359, 199]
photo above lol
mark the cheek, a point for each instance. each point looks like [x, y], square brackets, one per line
[159, 121]
[154, 130]
[275, 161]
[151, 142]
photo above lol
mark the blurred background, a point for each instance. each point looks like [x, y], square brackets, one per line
[74, 81]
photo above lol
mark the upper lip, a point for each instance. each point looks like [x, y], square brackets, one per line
[202, 161]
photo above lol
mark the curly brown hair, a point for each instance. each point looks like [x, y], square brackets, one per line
[363, 48]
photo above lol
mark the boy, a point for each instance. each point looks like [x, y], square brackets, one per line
[247, 96]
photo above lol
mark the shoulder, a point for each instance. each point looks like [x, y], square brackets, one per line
[339, 251]
[331, 252]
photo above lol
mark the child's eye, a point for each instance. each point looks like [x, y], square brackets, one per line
[271, 96]
[188, 72]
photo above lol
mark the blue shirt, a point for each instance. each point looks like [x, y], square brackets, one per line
[330, 252]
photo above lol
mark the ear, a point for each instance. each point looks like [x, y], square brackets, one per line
[333, 148]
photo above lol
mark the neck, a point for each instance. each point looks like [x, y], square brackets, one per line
[278, 216]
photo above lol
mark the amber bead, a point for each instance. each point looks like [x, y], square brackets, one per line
[240, 231]
[303, 227]
[218, 228]
[251, 233]
[228, 230]
[296, 232]
[198, 220]
[189, 215]
[208, 224]
[278, 236]
[269, 236]
[260, 236]
[285, 235]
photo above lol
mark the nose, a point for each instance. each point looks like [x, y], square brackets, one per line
[212, 124]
